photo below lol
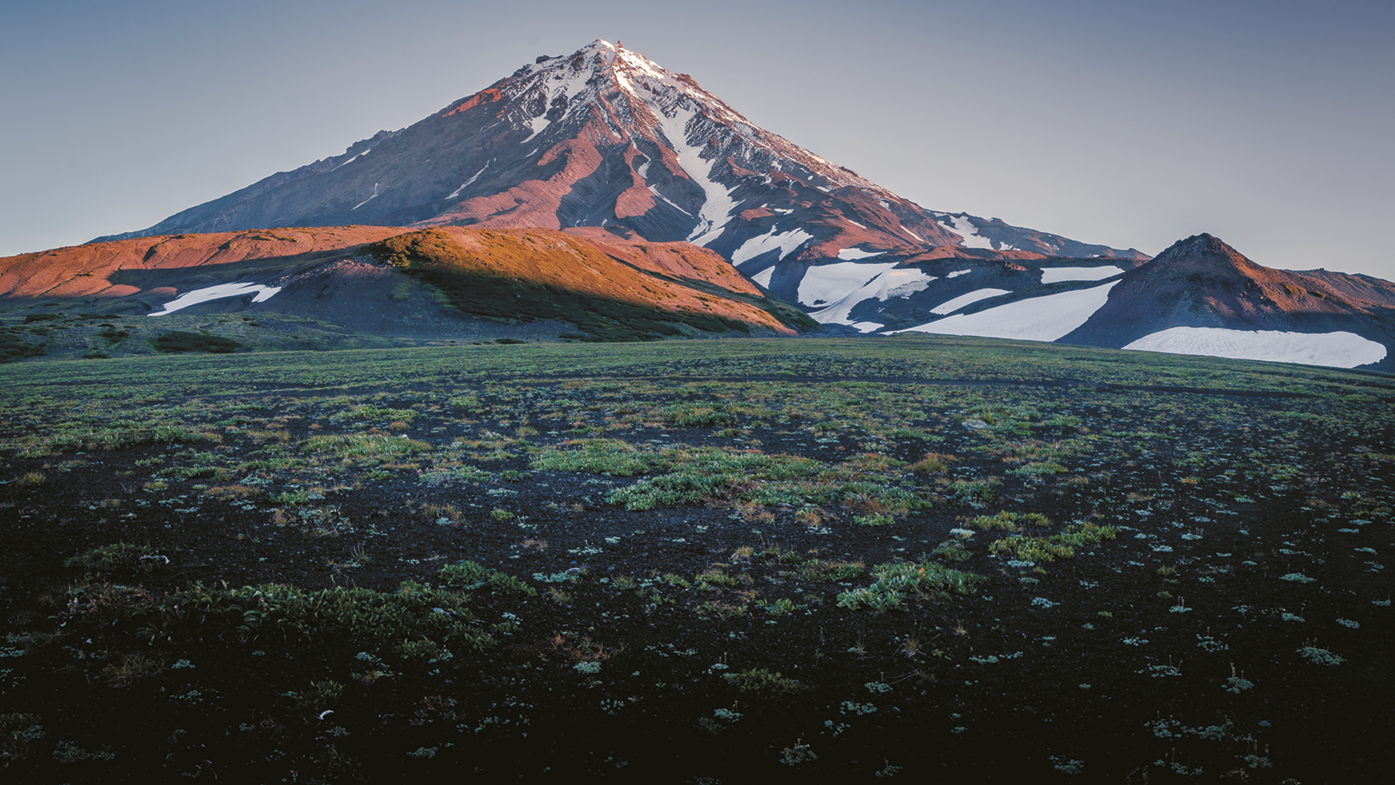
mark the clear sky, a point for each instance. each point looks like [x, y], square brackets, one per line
[1268, 123]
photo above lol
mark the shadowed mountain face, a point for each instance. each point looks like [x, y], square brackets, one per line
[606, 137]
[1202, 282]
[1201, 285]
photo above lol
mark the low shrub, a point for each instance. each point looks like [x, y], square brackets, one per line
[1057, 546]
[278, 612]
[1011, 521]
[894, 583]
[365, 446]
[472, 576]
[933, 463]
[762, 681]
[119, 558]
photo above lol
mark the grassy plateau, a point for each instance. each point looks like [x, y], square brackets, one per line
[836, 560]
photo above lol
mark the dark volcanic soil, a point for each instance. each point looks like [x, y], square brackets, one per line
[1236, 627]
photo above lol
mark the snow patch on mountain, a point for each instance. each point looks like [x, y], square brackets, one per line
[787, 242]
[351, 160]
[538, 124]
[197, 296]
[958, 273]
[826, 284]
[962, 226]
[633, 66]
[369, 199]
[850, 254]
[886, 285]
[555, 79]
[1058, 274]
[962, 300]
[1034, 319]
[572, 84]
[655, 192]
[465, 184]
[763, 277]
[717, 209]
[1334, 349]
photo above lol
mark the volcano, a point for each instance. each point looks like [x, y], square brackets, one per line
[607, 137]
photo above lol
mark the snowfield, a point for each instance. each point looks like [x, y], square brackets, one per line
[555, 80]
[962, 226]
[850, 254]
[1058, 274]
[655, 192]
[830, 283]
[1034, 319]
[651, 84]
[717, 208]
[786, 242]
[964, 299]
[1335, 349]
[463, 185]
[369, 199]
[351, 160]
[197, 296]
[538, 124]
[886, 285]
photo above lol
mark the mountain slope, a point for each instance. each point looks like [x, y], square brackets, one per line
[126, 268]
[632, 293]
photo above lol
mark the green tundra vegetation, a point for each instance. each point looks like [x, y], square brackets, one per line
[695, 561]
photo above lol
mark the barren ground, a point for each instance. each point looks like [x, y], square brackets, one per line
[695, 562]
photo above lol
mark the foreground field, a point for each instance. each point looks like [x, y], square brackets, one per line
[696, 561]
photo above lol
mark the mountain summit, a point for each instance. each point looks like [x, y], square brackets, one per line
[603, 137]
[1204, 254]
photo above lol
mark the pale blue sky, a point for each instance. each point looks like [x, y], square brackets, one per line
[1267, 123]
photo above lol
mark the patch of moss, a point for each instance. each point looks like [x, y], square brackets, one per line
[180, 341]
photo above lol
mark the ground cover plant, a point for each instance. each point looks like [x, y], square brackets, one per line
[695, 562]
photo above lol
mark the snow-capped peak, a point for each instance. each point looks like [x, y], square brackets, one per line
[605, 136]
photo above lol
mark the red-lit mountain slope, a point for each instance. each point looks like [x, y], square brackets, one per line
[360, 282]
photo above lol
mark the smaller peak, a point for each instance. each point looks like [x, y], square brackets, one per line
[1202, 243]
[1202, 248]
